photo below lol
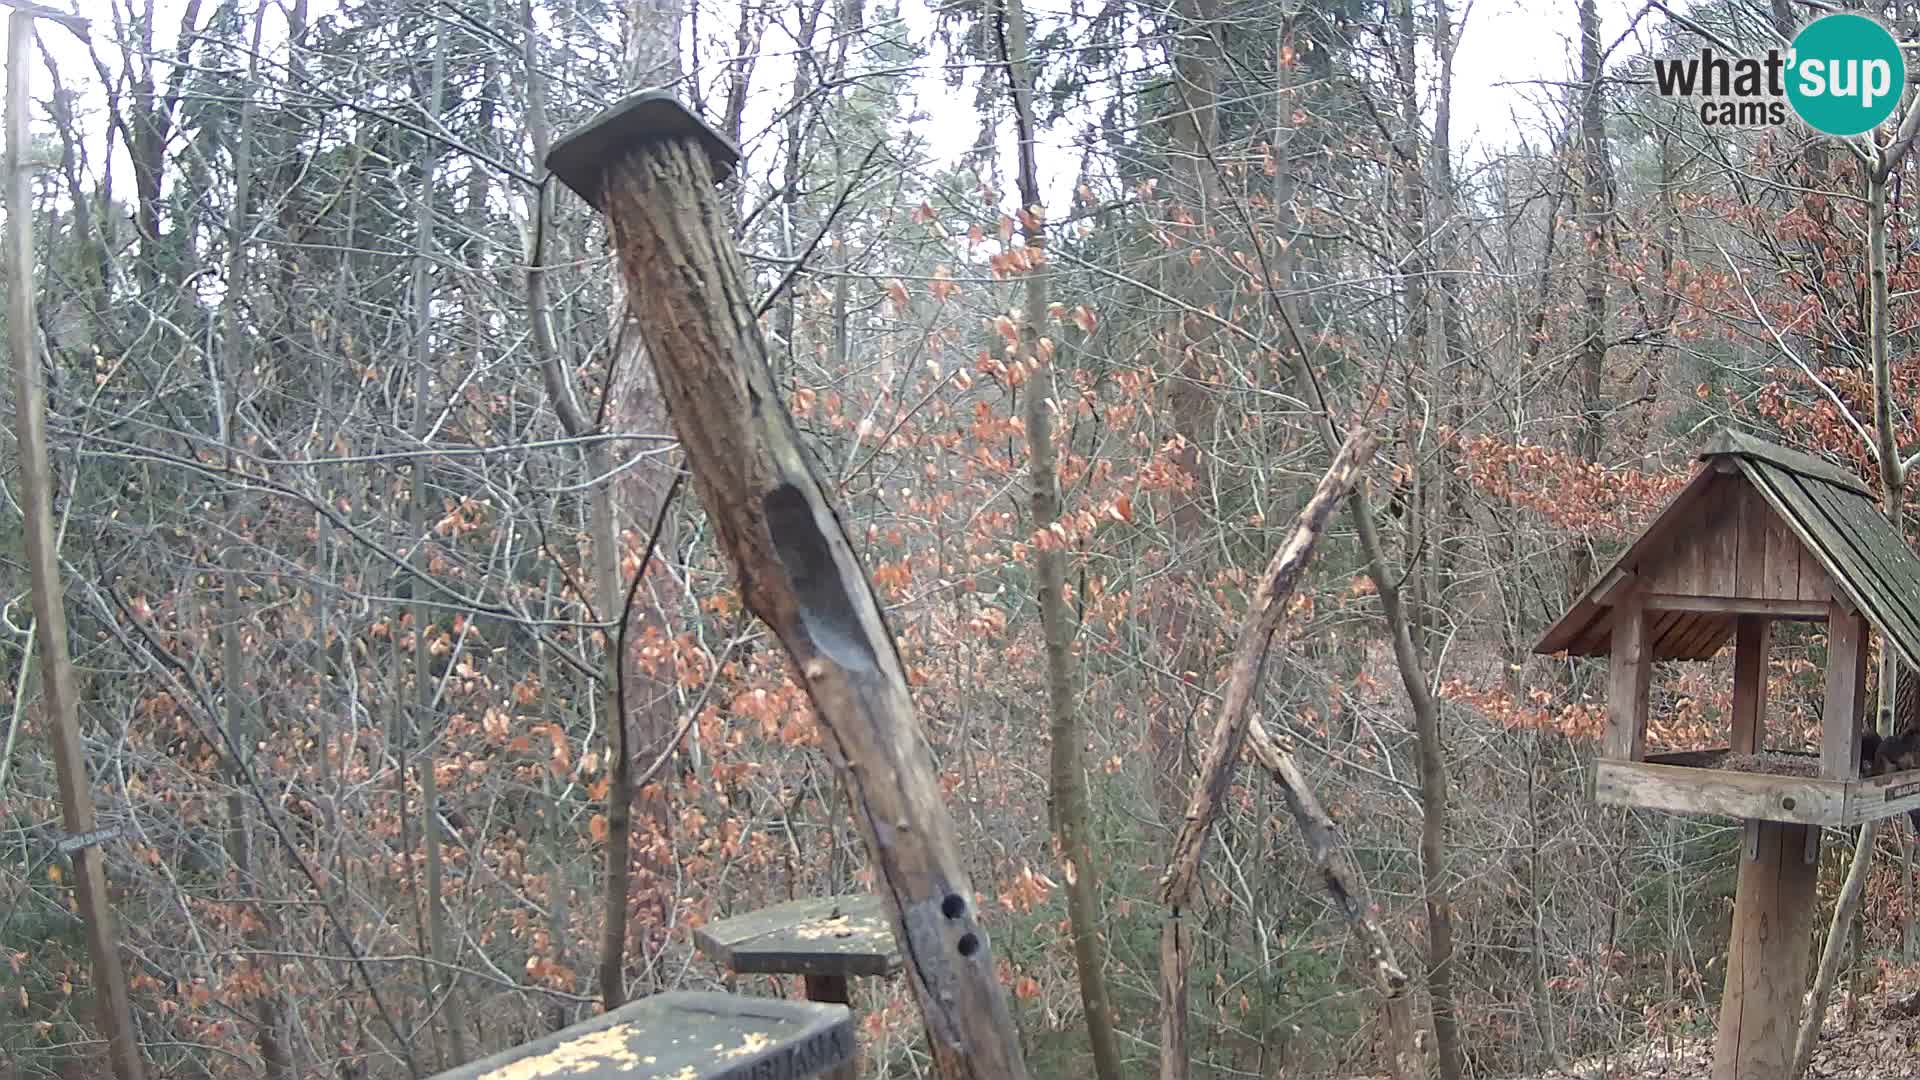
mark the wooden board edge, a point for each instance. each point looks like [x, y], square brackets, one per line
[859, 966]
[712, 948]
[1739, 444]
[1684, 790]
[824, 1039]
[1882, 797]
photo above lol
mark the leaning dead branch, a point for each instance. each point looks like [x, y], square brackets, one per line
[1264, 616]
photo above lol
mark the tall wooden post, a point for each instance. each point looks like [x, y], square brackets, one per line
[1767, 953]
[1629, 674]
[650, 166]
[1842, 719]
[43, 565]
[1752, 638]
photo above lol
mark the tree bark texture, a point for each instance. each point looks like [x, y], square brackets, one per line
[442, 973]
[1072, 817]
[1596, 177]
[640, 703]
[1067, 785]
[798, 573]
[1264, 615]
[1193, 127]
[236, 676]
[43, 567]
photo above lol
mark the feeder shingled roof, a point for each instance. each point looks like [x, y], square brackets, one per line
[1832, 513]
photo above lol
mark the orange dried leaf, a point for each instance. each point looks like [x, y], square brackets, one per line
[943, 285]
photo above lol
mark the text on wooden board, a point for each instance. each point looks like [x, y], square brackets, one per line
[808, 1058]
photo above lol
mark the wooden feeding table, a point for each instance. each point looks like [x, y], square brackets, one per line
[824, 941]
[683, 1036]
[1774, 786]
[1760, 533]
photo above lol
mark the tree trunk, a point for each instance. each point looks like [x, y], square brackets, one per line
[798, 112]
[1193, 128]
[1447, 515]
[1420, 309]
[421, 732]
[640, 707]
[1072, 818]
[634, 403]
[235, 674]
[43, 566]
[1596, 178]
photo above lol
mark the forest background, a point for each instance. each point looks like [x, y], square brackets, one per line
[362, 561]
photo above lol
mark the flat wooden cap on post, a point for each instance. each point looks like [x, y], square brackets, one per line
[580, 158]
[651, 167]
[826, 941]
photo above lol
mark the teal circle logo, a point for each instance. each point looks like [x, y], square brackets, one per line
[1847, 74]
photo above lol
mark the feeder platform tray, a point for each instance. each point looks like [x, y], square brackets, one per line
[1720, 782]
[843, 935]
[683, 1036]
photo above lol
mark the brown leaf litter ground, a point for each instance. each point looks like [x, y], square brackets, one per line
[1882, 1043]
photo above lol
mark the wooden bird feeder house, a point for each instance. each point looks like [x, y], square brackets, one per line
[1760, 533]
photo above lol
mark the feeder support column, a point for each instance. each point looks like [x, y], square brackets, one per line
[1767, 952]
[651, 166]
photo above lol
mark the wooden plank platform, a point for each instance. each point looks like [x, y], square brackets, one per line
[685, 1035]
[844, 935]
[1883, 796]
[1686, 783]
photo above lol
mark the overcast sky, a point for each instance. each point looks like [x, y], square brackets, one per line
[1507, 51]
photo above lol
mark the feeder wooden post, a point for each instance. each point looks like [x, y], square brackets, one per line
[1779, 865]
[1629, 673]
[651, 166]
[824, 941]
[1752, 636]
[1841, 720]
[1767, 954]
[1760, 533]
